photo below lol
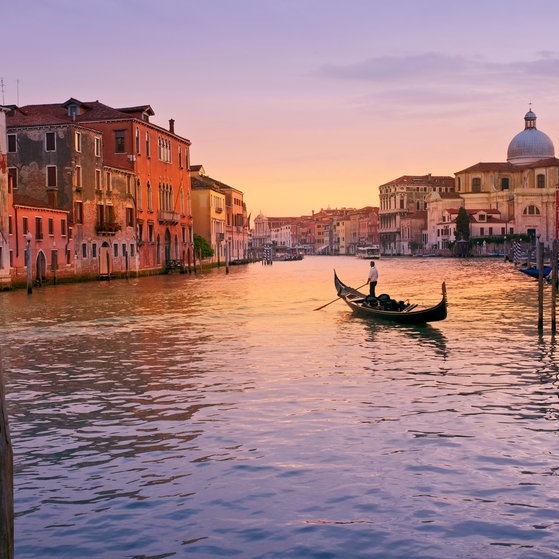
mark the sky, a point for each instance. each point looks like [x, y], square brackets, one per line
[302, 105]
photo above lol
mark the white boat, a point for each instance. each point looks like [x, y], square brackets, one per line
[372, 251]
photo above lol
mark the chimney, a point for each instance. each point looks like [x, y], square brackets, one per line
[172, 125]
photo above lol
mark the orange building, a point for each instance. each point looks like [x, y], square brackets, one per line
[124, 180]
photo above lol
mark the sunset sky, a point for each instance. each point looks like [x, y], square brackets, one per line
[301, 104]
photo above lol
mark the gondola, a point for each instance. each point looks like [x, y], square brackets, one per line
[386, 308]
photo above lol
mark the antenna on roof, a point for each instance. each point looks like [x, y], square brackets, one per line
[2, 88]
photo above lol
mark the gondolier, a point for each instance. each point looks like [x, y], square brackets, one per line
[372, 279]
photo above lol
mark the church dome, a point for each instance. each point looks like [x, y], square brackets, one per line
[530, 145]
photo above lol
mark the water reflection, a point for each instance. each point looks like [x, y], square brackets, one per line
[217, 416]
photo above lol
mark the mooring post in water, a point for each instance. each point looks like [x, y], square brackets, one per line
[540, 284]
[226, 257]
[6, 482]
[554, 277]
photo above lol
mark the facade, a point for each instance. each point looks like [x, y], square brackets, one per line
[523, 190]
[208, 210]
[236, 233]
[123, 180]
[5, 205]
[401, 197]
[44, 232]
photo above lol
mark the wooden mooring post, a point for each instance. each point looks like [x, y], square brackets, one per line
[554, 278]
[6, 482]
[539, 264]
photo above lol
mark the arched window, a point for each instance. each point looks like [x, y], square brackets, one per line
[476, 184]
[150, 198]
[531, 210]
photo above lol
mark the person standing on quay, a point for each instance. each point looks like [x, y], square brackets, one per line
[372, 279]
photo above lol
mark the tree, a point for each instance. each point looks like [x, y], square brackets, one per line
[462, 225]
[462, 246]
[202, 247]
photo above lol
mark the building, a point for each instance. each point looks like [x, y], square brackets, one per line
[208, 210]
[236, 231]
[123, 179]
[401, 197]
[522, 190]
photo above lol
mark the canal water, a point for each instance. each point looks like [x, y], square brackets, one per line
[218, 415]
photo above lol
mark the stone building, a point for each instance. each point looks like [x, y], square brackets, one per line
[123, 179]
[399, 198]
[523, 190]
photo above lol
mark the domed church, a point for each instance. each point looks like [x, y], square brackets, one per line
[512, 197]
[530, 145]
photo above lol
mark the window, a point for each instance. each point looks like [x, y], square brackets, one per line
[25, 225]
[97, 147]
[147, 145]
[63, 227]
[78, 212]
[150, 233]
[38, 228]
[108, 181]
[505, 183]
[138, 141]
[123, 249]
[50, 141]
[140, 232]
[12, 143]
[10, 231]
[115, 250]
[51, 176]
[482, 231]
[139, 196]
[78, 177]
[132, 250]
[51, 226]
[97, 179]
[78, 141]
[94, 250]
[84, 250]
[100, 214]
[12, 179]
[119, 142]
[130, 217]
[540, 181]
[482, 217]
[150, 201]
[531, 210]
[476, 185]
[180, 157]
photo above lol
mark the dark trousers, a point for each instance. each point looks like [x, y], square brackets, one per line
[372, 286]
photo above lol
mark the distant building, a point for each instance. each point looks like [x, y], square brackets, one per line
[401, 197]
[523, 190]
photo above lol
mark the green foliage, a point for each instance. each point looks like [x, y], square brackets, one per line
[462, 225]
[202, 247]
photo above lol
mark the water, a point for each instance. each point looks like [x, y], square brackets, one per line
[212, 415]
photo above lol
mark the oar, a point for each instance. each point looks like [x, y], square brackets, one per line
[317, 309]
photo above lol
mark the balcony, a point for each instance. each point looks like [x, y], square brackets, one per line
[168, 217]
[108, 228]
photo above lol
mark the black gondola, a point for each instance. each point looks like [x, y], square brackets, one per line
[386, 308]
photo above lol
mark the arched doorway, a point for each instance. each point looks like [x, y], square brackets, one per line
[167, 245]
[41, 267]
[105, 260]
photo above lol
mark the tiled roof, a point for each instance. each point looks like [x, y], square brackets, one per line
[57, 113]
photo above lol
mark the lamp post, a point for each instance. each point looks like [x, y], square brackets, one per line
[28, 237]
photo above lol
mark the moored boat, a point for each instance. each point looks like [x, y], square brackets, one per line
[386, 308]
